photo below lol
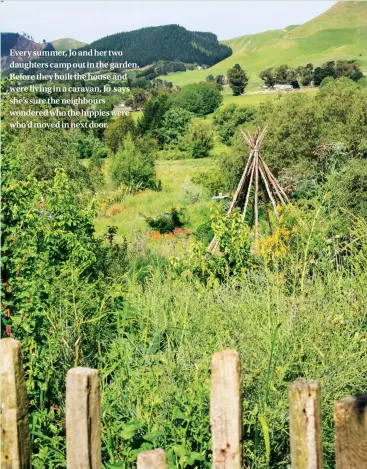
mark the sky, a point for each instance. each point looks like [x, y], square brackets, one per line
[90, 20]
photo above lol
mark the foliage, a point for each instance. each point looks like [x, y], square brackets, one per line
[228, 118]
[237, 79]
[41, 158]
[199, 98]
[175, 125]
[133, 167]
[350, 192]
[54, 296]
[117, 131]
[199, 138]
[268, 75]
[166, 222]
[89, 146]
[298, 124]
[153, 114]
[307, 74]
[341, 68]
[137, 99]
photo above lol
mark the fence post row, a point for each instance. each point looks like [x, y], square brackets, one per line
[83, 439]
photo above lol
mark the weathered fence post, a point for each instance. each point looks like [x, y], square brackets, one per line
[350, 416]
[83, 439]
[154, 459]
[305, 425]
[15, 438]
[226, 410]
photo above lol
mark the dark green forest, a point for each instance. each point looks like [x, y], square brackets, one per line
[149, 45]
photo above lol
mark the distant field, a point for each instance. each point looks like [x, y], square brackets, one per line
[255, 99]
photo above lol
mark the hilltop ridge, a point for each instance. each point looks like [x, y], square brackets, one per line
[67, 43]
[337, 34]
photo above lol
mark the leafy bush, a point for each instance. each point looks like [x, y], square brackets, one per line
[175, 125]
[42, 157]
[167, 222]
[153, 114]
[117, 131]
[227, 120]
[199, 138]
[204, 233]
[133, 167]
[198, 98]
[326, 81]
[88, 146]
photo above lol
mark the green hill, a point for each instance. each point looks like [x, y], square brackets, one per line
[295, 45]
[168, 42]
[67, 43]
[148, 45]
[342, 15]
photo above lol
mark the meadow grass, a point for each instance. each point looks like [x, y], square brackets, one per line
[319, 338]
[173, 175]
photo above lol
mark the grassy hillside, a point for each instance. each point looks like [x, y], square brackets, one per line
[342, 15]
[338, 40]
[67, 43]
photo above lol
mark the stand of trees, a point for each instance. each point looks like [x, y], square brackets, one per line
[307, 74]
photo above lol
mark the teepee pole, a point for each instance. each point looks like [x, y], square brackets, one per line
[248, 190]
[281, 194]
[256, 206]
[240, 185]
[268, 190]
[266, 209]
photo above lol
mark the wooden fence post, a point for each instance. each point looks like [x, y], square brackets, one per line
[305, 425]
[15, 438]
[154, 459]
[226, 410]
[83, 439]
[350, 416]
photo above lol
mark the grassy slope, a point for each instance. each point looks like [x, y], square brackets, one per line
[173, 175]
[67, 43]
[295, 45]
[342, 15]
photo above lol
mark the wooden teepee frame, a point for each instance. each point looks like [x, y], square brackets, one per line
[258, 174]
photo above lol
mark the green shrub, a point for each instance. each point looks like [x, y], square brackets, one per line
[133, 167]
[174, 129]
[167, 222]
[118, 130]
[174, 154]
[227, 120]
[199, 138]
[198, 98]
